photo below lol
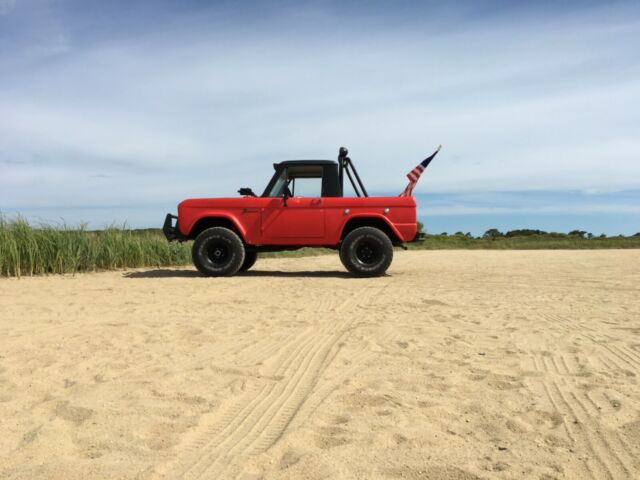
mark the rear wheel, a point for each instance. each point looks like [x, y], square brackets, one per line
[366, 252]
[249, 260]
[218, 252]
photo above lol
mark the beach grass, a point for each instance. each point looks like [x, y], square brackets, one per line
[30, 250]
[27, 250]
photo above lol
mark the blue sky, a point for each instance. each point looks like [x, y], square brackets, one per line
[112, 111]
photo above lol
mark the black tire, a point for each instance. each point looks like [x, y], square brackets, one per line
[366, 252]
[250, 258]
[344, 262]
[218, 252]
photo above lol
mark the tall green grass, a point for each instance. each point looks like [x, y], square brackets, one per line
[28, 250]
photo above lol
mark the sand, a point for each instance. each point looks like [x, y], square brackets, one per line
[456, 365]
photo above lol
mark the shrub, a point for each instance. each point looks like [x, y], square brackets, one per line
[526, 232]
[493, 233]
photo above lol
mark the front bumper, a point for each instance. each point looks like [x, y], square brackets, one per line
[171, 231]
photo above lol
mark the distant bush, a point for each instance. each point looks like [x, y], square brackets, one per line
[524, 233]
[493, 239]
[493, 233]
[578, 233]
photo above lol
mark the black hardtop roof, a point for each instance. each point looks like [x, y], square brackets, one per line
[305, 162]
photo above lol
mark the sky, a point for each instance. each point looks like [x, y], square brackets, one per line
[113, 112]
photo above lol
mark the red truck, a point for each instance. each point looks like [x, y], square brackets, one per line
[302, 206]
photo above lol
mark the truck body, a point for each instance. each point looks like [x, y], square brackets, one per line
[302, 206]
[305, 221]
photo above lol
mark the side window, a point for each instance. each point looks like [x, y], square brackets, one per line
[305, 181]
[306, 187]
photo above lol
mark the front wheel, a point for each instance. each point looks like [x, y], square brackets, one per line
[218, 252]
[250, 258]
[366, 252]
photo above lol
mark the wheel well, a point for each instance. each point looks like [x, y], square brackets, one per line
[209, 222]
[369, 222]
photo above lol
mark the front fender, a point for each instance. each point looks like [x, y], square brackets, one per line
[188, 220]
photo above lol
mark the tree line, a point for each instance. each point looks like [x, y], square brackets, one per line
[494, 233]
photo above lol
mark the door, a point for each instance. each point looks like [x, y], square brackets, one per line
[301, 218]
[294, 213]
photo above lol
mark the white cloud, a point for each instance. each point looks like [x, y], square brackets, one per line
[518, 105]
[56, 129]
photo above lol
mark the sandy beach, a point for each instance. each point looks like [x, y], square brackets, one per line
[456, 365]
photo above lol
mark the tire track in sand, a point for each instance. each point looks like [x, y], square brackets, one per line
[260, 417]
[221, 433]
[622, 353]
[609, 456]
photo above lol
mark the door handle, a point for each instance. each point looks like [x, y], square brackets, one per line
[316, 201]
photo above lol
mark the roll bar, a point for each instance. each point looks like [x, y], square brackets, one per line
[345, 164]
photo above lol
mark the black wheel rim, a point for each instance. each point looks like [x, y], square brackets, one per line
[218, 253]
[368, 252]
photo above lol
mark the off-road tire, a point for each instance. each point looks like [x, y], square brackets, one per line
[218, 252]
[366, 252]
[250, 258]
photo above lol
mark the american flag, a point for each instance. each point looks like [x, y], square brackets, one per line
[414, 175]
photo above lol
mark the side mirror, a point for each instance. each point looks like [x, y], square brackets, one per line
[246, 191]
[285, 195]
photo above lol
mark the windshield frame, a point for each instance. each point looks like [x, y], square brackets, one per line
[277, 184]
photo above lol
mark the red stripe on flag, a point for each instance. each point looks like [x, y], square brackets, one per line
[414, 174]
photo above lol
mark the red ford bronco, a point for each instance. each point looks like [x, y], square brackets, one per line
[302, 206]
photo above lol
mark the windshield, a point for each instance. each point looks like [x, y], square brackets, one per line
[278, 187]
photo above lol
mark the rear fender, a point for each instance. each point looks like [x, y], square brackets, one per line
[373, 220]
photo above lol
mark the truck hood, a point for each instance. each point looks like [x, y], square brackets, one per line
[229, 202]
